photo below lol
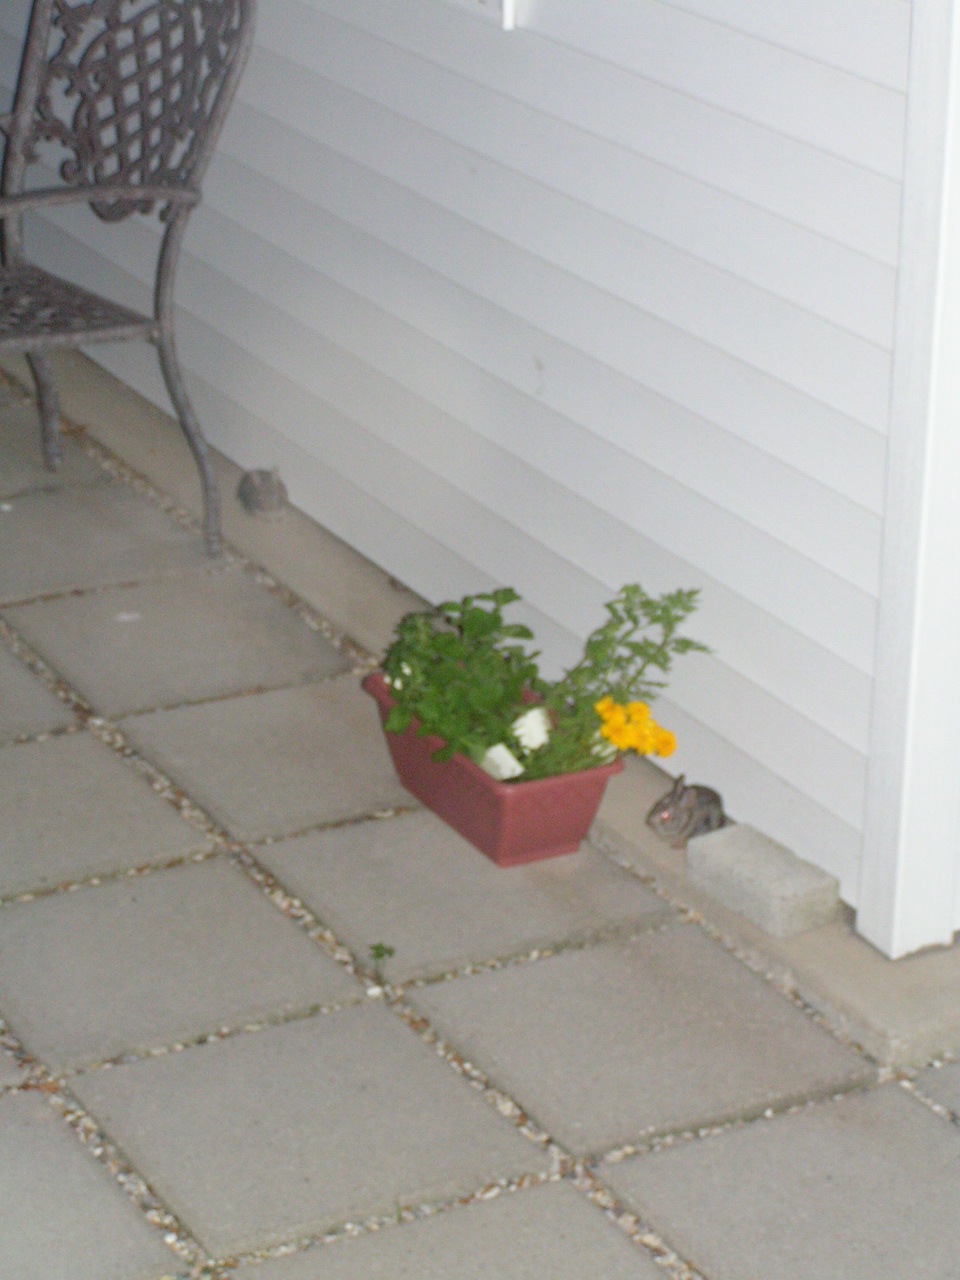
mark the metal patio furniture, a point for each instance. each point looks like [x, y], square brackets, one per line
[124, 100]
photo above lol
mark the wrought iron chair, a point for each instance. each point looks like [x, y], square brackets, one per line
[126, 98]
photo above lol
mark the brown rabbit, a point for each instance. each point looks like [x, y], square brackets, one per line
[686, 811]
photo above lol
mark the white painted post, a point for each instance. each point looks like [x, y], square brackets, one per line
[911, 856]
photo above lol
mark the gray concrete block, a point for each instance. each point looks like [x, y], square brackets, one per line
[146, 962]
[26, 707]
[21, 459]
[63, 1214]
[414, 884]
[762, 880]
[547, 1232]
[70, 808]
[272, 764]
[280, 1133]
[157, 644]
[853, 1189]
[88, 536]
[666, 1031]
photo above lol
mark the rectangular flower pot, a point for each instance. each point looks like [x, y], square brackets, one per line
[511, 822]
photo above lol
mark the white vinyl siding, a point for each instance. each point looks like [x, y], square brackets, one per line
[610, 297]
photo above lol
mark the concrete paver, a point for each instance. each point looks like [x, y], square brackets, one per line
[70, 808]
[200, 636]
[26, 707]
[21, 461]
[852, 1189]
[273, 1135]
[11, 1073]
[86, 536]
[663, 1032]
[275, 763]
[281, 1131]
[942, 1084]
[71, 1221]
[546, 1232]
[412, 883]
[146, 962]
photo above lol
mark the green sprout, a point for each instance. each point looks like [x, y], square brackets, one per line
[379, 954]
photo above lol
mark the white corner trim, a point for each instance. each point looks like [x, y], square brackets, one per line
[911, 855]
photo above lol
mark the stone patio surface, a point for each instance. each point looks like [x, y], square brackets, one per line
[211, 1067]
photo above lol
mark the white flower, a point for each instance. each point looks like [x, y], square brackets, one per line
[501, 763]
[406, 668]
[532, 729]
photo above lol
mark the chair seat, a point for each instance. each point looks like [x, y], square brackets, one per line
[38, 309]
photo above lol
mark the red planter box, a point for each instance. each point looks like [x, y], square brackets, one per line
[511, 822]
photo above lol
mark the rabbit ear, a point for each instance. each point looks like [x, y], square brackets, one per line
[680, 785]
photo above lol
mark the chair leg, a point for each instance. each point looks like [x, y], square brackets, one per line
[49, 407]
[170, 368]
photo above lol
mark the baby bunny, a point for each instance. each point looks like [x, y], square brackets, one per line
[684, 812]
[261, 492]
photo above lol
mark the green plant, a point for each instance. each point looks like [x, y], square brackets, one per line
[380, 953]
[464, 673]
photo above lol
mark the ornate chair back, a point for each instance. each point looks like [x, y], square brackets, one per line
[125, 99]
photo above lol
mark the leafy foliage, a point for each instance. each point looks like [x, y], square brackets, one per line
[464, 673]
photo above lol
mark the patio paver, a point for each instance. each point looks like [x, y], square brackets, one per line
[275, 763]
[547, 1232]
[21, 462]
[853, 1189]
[942, 1084]
[71, 1219]
[155, 960]
[411, 882]
[290, 1121]
[202, 635]
[26, 707]
[662, 1032]
[273, 1135]
[70, 808]
[11, 1073]
[86, 536]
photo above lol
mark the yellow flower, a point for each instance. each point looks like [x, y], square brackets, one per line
[632, 728]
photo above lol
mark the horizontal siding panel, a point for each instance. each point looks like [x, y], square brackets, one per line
[869, 38]
[794, 588]
[800, 183]
[853, 118]
[831, 773]
[844, 538]
[817, 274]
[845, 372]
[704, 536]
[835, 452]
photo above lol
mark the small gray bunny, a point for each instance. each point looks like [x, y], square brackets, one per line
[261, 492]
[686, 811]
